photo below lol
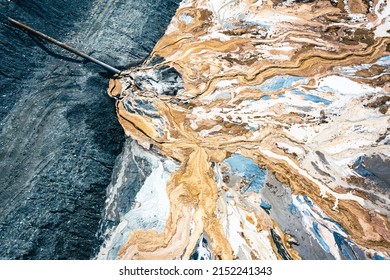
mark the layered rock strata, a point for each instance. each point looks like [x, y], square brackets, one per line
[276, 116]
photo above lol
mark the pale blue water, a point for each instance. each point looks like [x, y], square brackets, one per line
[279, 83]
[186, 18]
[311, 97]
[246, 167]
[316, 99]
[265, 205]
[384, 61]
[319, 238]
[266, 97]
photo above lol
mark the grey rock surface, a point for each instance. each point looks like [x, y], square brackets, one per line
[279, 195]
[128, 175]
[59, 134]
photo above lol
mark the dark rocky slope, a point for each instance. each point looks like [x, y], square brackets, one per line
[59, 134]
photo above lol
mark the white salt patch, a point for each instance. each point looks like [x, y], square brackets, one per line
[216, 35]
[298, 132]
[255, 134]
[347, 146]
[193, 125]
[290, 149]
[217, 95]
[345, 86]
[205, 133]
[225, 83]
[259, 240]
[381, 30]
[383, 18]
